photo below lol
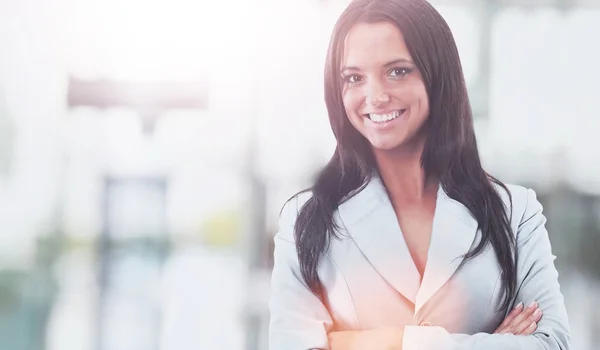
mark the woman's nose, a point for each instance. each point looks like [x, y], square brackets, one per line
[376, 95]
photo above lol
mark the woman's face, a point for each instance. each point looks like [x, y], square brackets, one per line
[383, 92]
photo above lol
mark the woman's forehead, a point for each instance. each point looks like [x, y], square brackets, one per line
[373, 44]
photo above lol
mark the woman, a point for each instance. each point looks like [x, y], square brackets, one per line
[404, 241]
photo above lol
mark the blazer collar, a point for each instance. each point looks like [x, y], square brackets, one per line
[370, 220]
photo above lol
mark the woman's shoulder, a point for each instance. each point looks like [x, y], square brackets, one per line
[289, 213]
[521, 201]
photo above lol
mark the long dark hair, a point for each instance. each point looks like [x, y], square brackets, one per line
[450, 152]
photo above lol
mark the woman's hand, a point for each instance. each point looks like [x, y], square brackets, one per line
[376, 339]
[521, 321]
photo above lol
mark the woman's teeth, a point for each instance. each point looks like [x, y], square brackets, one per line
[382, 118]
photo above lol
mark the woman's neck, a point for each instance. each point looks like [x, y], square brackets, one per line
[403, 176]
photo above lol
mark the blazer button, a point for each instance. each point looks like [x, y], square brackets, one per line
[425, 324]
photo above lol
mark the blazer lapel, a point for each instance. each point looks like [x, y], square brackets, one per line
[371, 221]
[453, 234]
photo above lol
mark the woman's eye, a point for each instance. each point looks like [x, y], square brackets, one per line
[352, 79]
[400, 72]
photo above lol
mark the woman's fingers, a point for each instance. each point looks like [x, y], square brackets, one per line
[530, 329]
[511, 316]
[533, 320]
[524, 320]
[521, 321]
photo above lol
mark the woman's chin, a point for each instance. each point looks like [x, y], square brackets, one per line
[385, 145]
[395, 146]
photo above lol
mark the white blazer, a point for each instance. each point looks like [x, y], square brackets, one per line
[370, 279]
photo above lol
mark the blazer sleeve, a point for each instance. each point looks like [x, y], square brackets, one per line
[299, 320]
[537, 281]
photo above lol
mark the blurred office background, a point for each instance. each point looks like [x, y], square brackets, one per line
[146, 148]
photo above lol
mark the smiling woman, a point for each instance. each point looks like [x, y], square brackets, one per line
[383, 93]
[404, 241]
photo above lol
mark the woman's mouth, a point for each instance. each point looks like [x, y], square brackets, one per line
[383, 118]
